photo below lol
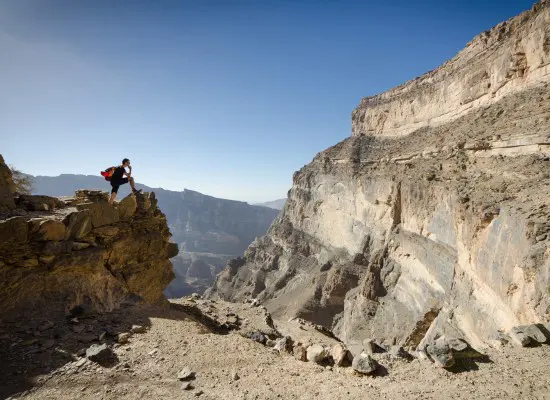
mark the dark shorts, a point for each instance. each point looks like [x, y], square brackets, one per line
[116, 184]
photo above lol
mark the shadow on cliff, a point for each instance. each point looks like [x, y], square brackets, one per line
[32, 349]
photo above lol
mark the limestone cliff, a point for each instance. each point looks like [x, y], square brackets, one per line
[81, 254]
[433, 218]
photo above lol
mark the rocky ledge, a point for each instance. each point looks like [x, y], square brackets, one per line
[80, 254]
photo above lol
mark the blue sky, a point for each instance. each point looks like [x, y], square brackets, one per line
[228, 98]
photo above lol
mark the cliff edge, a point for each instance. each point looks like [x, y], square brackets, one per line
[80, 254]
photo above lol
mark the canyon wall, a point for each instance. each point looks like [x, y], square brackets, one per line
[434, 221]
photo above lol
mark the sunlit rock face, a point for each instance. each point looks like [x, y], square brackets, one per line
[433, 217]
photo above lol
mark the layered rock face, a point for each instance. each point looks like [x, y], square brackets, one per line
[83, 254]
[422, 227]
[512, 56]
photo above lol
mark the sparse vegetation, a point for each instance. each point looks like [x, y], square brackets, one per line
[23, 182]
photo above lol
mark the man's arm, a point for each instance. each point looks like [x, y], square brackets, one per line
[128, 174]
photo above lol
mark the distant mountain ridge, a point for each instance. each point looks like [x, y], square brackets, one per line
[208, 230]
[275, 204]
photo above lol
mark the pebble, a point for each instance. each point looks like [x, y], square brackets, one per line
[138, 329]
[186, 374]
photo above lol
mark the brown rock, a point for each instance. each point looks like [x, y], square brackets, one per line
[50, 230]
[13, 231]
[39, 203]
[79, 224]
[101, 213]
[339, 354]
[127, 207]
[7, 188]
[300, 353]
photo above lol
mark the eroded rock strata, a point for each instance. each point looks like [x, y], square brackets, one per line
[433, 218]
[80, 254]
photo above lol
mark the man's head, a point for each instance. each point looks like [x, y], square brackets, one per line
[125, 162]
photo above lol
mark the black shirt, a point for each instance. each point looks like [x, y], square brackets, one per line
[118, 174]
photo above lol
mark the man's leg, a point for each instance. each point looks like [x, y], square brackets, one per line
[113, 194]
[131, 180]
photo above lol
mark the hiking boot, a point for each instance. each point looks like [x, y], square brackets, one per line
[134, 191]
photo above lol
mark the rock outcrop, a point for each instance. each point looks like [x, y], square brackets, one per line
[7, 188]
[81, 254]
[209, 230]
[433, 218]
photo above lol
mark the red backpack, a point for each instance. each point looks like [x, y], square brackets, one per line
[108, 173]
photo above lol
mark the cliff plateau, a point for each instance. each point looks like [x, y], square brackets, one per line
[80, 255]
[432, 219]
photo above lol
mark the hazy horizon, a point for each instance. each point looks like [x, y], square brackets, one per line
[106, 185]
[227, 98]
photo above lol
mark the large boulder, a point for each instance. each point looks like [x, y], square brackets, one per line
[100, 353]
[101, 213]
[127, 207]
[39, 203]
[316, 353]
[47, 229]
[364, 364]
[79, 224]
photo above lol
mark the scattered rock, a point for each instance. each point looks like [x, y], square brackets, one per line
[283, 345]
[519, 338]
[81, 352]
[199, 393]
[257, 337]
[187, 386]
[340, 354]
[533, 332]
[138, 329]
[80, 362]
[186, 374]
[368, 346]
[457, 344]
[300, 353]
[397, 351]
[316, 353]
[236, 376]
[364, 364]
[100, 353]
[441, 355]
[124, 337]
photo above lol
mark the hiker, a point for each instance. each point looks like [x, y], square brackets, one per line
[117, 179]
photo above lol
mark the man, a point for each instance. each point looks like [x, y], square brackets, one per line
[118, 178]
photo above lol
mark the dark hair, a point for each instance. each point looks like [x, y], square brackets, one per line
[125, 160]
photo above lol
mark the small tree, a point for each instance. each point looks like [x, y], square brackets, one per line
[23, 182]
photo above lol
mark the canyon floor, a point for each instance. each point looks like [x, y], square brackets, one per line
[147, 366]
